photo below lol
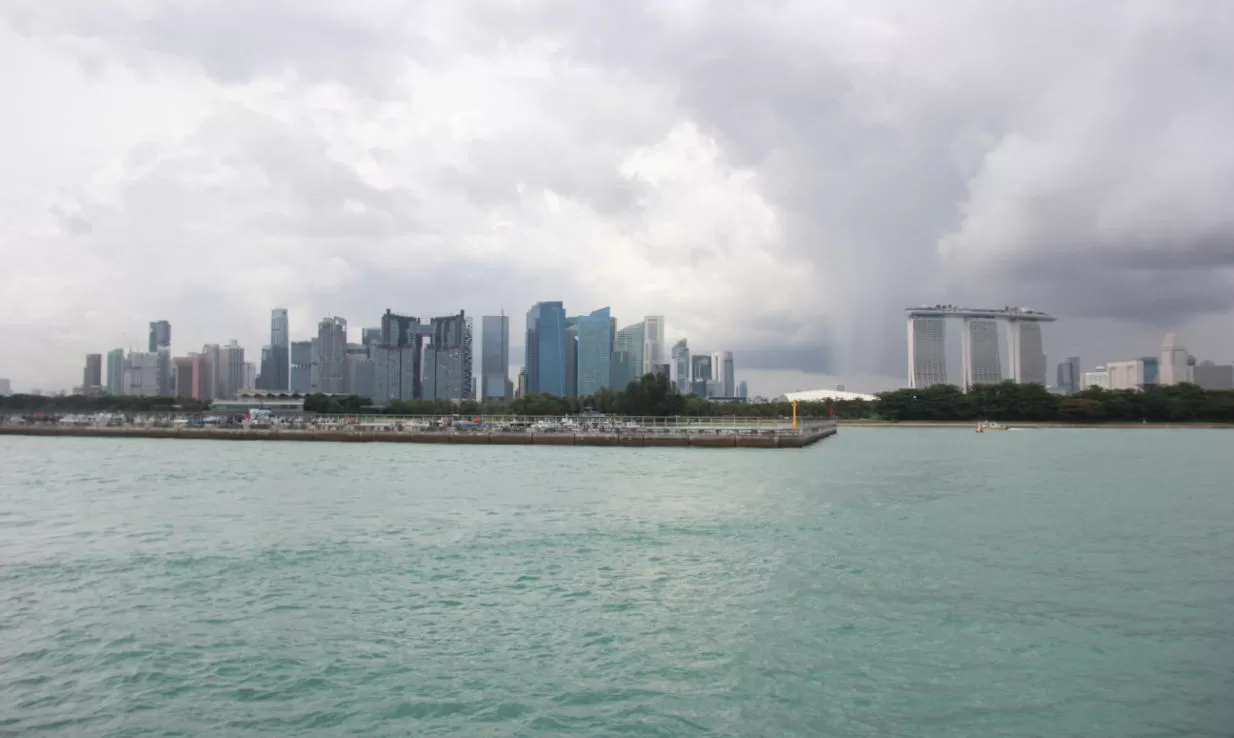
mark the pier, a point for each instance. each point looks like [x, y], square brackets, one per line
[478, 430]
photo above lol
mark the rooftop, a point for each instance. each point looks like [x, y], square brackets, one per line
[955, 311]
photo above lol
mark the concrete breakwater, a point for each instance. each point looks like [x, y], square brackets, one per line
[629, 438]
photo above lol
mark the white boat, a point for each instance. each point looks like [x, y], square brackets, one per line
[985, 425]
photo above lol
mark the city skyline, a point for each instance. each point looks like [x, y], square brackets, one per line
[768, 198]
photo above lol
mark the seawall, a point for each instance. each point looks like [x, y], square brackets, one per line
[806, 437]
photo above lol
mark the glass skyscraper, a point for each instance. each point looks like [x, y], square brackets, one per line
[546, 349]
[495, 358]
[595, 351]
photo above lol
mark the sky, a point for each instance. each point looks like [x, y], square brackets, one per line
[780, 179]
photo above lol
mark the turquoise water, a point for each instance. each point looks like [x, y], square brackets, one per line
[886, 582]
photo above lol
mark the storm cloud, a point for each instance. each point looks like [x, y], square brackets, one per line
[777, 178]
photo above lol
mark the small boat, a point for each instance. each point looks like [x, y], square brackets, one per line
[983, 425]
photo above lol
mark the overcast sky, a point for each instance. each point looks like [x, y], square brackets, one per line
[777, 178]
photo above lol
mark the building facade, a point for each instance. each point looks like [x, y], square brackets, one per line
[1212, 376]
[927, 354]
[447, 361]
[653, 343]
[141, 375]
[728, 374]
[301, 374]
[629, 342]
[276, 375]
[546, 349]
[700, 374]
[595, 352]
[681, 366]
[92, 375]
[1175, 365]
[395, 373]
[1097, 378]
[1069, 375]
[495, 358]
[230, 372]
[331, 356]
[983, 364]
[115, 372]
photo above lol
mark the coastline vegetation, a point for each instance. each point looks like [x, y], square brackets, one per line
[655, 395]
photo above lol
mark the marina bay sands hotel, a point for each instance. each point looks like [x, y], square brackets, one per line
[979, 345]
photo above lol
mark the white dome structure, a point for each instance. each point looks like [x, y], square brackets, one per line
[824, 395]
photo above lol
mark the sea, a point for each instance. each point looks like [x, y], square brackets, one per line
[885, 582]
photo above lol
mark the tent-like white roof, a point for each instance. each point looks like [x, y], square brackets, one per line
[823, 395]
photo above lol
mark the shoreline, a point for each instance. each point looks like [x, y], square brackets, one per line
[807, 437]
[1037, 425]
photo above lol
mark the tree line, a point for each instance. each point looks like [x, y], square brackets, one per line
[655, 395]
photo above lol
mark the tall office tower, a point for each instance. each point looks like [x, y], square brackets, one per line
[141, 375]
[1031, 352]
[1174, 366]
[183, 375]
[1069, 375]
[595, 352]
[728, 374]
[160, 335]
[218, 373]
[571, 357]
[927, 356]
[653, 343]
[681, 367]
[370, 337]
[495, 358]
[202, 385]
[546, 349]
[278, 376]
[250, 376]
[402, 332]
[630, 341]
[6, 387]
[1211, 376]
[447, 362]
[700, 374]
[360, 373]
[521, 390]
[265, 374]
[115, 372]
[743, 390]
[229, 373]
[395, 373]
[92, 376]
[981, 357]
[331, 354]
[301, 367]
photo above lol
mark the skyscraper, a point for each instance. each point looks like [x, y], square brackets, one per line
[595, 351]
[630, 344]
[396, 365]
[92, 376]
[982, 365]
[743, 390]
[1031, 352]
[495, 358]
[653, 343]
[141, 375]
[1069, 375]
[571, 357]
[331, 354]
[447, 362]
[160, 335]
[927, 357]
[301, 367]
[115, 372]
[277, 376]
[728, 374]
[700, 374]
[681, 366]
[546, 349]
[229, 372]
[1174, 366]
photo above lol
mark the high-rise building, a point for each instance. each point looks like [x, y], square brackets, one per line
[1098, 378]
[495, 358]
[571, 357]
[361, 374]
[681, 366]
[628, 363]
[1175, 368]
[183, 366]
[218, 373]
[160, 335]
[1069, 375]
[394, 373]
[370, 337]
[653, 343]
[1134, 374]
[277, 375]
[521, 391]
[546, 349]
[728, 374]
[927, 355]
[6, 387]
[595, 351]
[743, 390]
[1030, 350]
[447, 361]
[92, 376]
[265, 372]
[141, 375]
[229, 372]
[115, 372]
[1212, 376]
[982, 365]
[700, 374]
[301, 367]
[331, 355]
[401, 332]
[250, 376]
